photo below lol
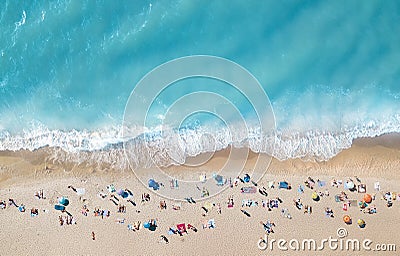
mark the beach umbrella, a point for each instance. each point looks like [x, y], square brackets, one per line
[153, 184]
[122, 193]
[218, 178]
[361, 223]
[347, 219]
[246, 178]
[111, 188]
[315, 196]
[59, 207]
[350, 185]
[283, 184]
[181, 227]
[64, 201]
[146, 225]
[21, 208]
[362, 204]
[367, 198]
[208, 205]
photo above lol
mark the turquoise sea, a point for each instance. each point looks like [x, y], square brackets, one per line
[331, 70]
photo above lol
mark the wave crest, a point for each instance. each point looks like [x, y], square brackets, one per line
[165, 149]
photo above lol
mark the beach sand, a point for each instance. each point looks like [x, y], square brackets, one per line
[23, 173]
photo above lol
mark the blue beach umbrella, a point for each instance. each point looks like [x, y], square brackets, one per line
[246, 178]
[153, 184]
[64, 201]
[123, 193]
[59, 207]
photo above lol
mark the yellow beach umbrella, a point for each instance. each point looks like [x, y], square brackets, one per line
[315, 196]
[361, 223]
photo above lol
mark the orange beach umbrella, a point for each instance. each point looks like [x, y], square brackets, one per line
[367, 198]
[347, 219]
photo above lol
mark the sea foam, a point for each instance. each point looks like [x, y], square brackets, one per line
[172, 148]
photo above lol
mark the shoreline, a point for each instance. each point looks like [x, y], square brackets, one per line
[23, 173]
[367, 156]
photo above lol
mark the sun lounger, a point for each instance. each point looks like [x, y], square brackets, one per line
[362, 188]
[377, 186]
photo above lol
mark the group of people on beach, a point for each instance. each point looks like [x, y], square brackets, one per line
[269, 202]
[68, 220]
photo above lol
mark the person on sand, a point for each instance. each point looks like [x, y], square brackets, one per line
[191, 227]
[3, 205]
[93, 236]
[164, 239]
[342, 196]
[73, 189]
[329, 212]
[12, 202]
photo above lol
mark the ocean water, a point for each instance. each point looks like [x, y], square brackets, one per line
[67, 68]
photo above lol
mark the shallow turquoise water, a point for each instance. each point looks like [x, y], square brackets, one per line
[330, 68]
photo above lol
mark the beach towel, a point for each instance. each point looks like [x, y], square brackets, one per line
[211, 223]
[111, 188]
[321, 183]
[248, 190]
[352, 202]
[80, 191]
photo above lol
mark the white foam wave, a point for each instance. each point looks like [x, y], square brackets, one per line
[172, 148]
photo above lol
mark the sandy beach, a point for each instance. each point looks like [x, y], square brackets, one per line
[233, 230]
